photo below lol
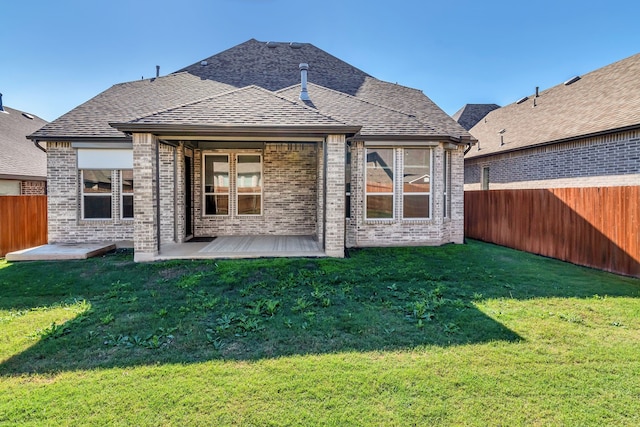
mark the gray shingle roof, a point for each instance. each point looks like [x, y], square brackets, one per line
[375, 120]
[18, 155]
[248, 106]
[127, 101]
[399, 110]
[274, 68]
[471, 114]
[602, 100]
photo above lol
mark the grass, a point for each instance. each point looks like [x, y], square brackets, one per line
[468, 334]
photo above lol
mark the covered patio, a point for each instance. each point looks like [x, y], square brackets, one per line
[243, 247]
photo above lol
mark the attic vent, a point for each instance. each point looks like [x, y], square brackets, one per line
[294, 45]
[572, 80]
[521, 100]
[28, 116]
[272, 44]
[204, 63]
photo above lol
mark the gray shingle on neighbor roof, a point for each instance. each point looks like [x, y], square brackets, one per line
[601, 101]
[248, 106]
[404, 111]
[275, 68]
[375, 120]
[18, 155]
[471, 114]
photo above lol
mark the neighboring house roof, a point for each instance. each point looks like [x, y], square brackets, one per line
[19, 157]
[603, 101]
[471, 114]
[192, 94]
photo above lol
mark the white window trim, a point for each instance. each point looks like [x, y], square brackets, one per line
[122, 196]
[422, 193]
[235, 184]
[83, 194]
[392, 194]
[204, 186]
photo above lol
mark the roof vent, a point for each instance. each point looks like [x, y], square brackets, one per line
[304, 94]
[572, 80]
[28, 116]
[521, 100]
[204, 63]
[294, 45]
[1, 107]
[157, 71]
[272, 44]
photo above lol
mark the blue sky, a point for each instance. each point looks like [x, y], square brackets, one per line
[56, 55]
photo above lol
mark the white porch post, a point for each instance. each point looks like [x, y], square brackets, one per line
[334, 192]
[145, 203]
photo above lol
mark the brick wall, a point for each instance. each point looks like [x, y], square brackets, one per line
[604, 161]
[33, 188]
[289, 194]
[65, 223]
[168, 175]
[438, 230]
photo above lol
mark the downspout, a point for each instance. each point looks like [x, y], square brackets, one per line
[158, 191]
[35, 142]
[324, 196]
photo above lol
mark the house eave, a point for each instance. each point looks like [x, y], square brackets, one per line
[439, 138]
[555, 141]
[170, 130]
[23, 177]
[62, 138]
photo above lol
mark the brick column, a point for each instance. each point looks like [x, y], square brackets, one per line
[334, 196]
[145, 230]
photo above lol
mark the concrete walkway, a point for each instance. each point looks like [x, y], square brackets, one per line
[61, 252]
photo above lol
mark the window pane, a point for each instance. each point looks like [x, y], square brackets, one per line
[380, 170]
[127, 206]
[249, 174]
[216, 174]
[127, 181]
[416, 206]
[416, 177]
[97, 207]
[379, 206]
[216, 205]
[249, 204]
[96, 181]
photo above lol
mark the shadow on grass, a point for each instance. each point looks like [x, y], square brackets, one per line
[191, 311]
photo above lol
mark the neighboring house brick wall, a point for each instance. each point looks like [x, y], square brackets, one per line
[289, 195]
[64, 205]
[438, 230]
[33, 188]
[610, 160]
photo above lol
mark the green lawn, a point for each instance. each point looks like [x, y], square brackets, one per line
[468, 334]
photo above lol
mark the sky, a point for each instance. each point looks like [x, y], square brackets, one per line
[55, 55]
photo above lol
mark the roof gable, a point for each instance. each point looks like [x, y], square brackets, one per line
[245, 107]
[471, 114]
[603, 100]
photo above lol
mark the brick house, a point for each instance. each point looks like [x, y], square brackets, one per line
[584, 132]
[23, 166]
[263, 139]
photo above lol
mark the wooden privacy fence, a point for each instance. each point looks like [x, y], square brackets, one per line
[595, 227]
[23, 222]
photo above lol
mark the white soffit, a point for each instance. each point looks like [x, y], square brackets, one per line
[105, 159]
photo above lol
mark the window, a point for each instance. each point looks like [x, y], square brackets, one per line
[216, 184]
[446, 177]
[249, 184]
[379, 183]
[416, 185]
[96, 194]
[485, 178]
[126, 194]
